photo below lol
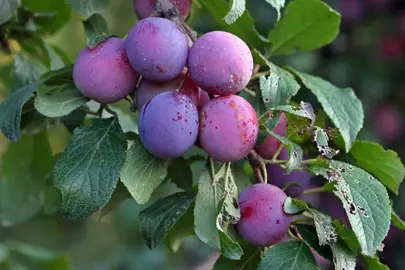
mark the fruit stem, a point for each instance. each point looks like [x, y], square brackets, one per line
[88, 111]
[277, 153]
[313, 190]
[259, 74]
[108, 109]
[250, 92]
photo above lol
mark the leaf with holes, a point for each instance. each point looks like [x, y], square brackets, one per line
[96, 30]
[142, 172]
[157, 220]
[305, 110]
[88, 171]
[292, 255]
[306, 25]
[213, 213]
[321, 139]
[365, 201]
[58, 95]
[383, 164]
[340, 104]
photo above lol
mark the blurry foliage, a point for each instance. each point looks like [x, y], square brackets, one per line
[368, 55]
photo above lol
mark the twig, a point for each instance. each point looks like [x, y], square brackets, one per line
[259, 74]
[108, 109]
[250, 92]
[313, 190]
[88, 111]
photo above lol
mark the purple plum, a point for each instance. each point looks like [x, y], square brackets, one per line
[157, 49]
[271, 143]
[104, 73]
[143, 8]
[228, 128]
[168, 124]
[220, 63]
[263, 221]
[148, 89]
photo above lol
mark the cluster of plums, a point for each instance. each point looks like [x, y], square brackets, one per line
[186, 96]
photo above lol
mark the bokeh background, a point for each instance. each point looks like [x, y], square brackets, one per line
[368, 56]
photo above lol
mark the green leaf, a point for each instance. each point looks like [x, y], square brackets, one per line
[88, 7]
[306, 25]
[294, 151]
[397, 221]
[26, 165]
[184, 227]
[278, 5]
[374, 263]
[96, 30]
[366, 203]
[217, 194]
[287, 86]
[327, 235]
[11, 110]
[157, 220]
[58, 95]
[383, 164]
[7, 8]
[55, 60]
[249, 261]
[321, 139]
[26, 71]
[237, 9]
[340, 104]
[347, 235]
[142, 172]
[88, 170]
[179, 172]
[294, 206]
[292, 255]
[51, 14]
[309, 234]
[244, 27]
[305, 110]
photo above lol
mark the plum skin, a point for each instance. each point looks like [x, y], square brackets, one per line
[220, 63]
[148, 89]
[270, 145]
[143, 8]
[157, 49]
[228, 128]
[168, 124]
[104, 73]
[263, 221]
[277, 176]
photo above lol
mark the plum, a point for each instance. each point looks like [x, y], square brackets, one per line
[388, 122]
[157, 49]
[104, 73]
[143, 8]
[228, 128]
[148, 89]
[271, 143]
[168, 124]
[297, 181]
[220, 63]
[263, 221]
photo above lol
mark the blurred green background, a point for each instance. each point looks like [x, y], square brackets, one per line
[368, 56]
